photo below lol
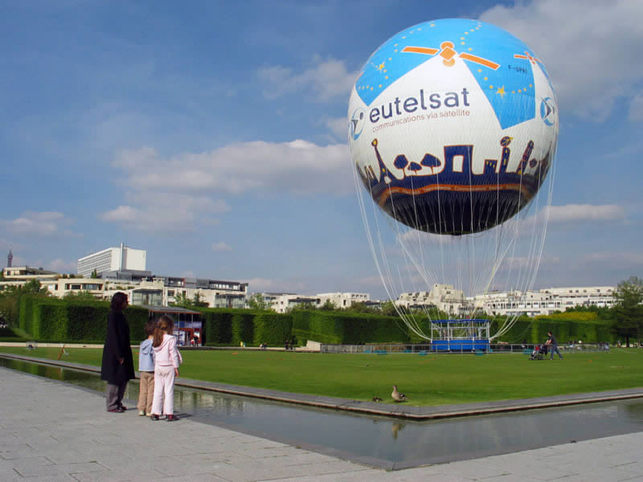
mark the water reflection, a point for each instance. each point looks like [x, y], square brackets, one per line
[380, 441]
[396, 428]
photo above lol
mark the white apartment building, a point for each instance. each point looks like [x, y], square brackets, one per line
[112, 260]
[342, 300]
[599, 296]
[163, 291]
[57, 284]
[509, 303]
[154, 291]
[284, 302]
[544, 301]
[442, 296]
[23, 274]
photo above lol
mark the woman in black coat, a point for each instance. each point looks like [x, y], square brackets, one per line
[118, 365]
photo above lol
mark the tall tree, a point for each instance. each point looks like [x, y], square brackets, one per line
[257, 302]
[328, 306]
[33, 287]
[198, 301]
[628, 312]
[181, 300]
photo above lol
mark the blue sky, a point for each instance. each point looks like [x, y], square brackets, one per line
[213, 134]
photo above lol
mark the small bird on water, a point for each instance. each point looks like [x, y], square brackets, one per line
[397, 396]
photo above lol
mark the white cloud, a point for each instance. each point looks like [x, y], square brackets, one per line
[627, 260]
[165, 211]
[591, 49]
[325, 80]
[47, 223]
[257, 285]
[636, 109]
[61, 266]
[338, 126]
[262, 285]
[571, 213]
[298, 167]
[221, 246]
[122, 214]
[189, 187]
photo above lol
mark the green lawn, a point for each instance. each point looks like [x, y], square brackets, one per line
[426, 380]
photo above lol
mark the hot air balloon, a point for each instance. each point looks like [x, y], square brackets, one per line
[453, 126]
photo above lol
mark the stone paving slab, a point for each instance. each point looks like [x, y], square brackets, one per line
[53, 431]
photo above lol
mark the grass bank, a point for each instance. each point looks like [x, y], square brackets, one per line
[427, 380]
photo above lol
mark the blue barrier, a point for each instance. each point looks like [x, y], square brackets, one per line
[462, 344]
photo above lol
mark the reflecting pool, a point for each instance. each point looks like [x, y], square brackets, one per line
[380, 441]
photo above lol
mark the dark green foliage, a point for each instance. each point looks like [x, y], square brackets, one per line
[25, 316]
[628, 312]
[307, 326]
[347, 328]
[69, 320]
[257, 302]
[80, 320]
[519, 332]
[8, 334]
[568, 330]
[9, 308]
[243, 327]
[423, 322]
[87, 321]
[217, 327]
[136, 317]
[33, 287]
[51, 319]
[272, 329]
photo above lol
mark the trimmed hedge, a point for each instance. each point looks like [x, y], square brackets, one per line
[348, 328]
[55, 320]
[136, 316]
[272, 329]
[564, 331]
[231, 327]
[52, 319]
[217, 327]
[25, 314]
[89, 322]
[535, 330]
[243, 327]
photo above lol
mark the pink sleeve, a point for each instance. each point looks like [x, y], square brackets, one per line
[175, 355]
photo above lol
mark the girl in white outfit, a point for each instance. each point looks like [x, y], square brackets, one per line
[167, 359]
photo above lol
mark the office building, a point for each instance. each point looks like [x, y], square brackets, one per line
[113, 263]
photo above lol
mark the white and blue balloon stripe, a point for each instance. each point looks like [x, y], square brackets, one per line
[501, 64]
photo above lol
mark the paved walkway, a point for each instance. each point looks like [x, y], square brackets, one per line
[53, 431]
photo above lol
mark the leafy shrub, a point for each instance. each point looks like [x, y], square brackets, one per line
[272, 328]
[51, 320]
[348, 328]
[217, 327]
[243, 327]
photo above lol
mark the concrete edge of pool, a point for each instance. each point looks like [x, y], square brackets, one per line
[379, 409]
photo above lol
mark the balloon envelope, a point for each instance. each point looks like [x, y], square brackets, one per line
[453, 126]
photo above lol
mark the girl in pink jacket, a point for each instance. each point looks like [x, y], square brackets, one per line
[167, 359]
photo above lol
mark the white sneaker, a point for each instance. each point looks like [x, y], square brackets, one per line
[141, 413]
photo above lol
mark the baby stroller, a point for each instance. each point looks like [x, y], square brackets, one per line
[539, 352]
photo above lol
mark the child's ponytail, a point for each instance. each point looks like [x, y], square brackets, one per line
[164, 325]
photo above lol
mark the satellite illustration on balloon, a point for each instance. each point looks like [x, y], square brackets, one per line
[453, 126]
